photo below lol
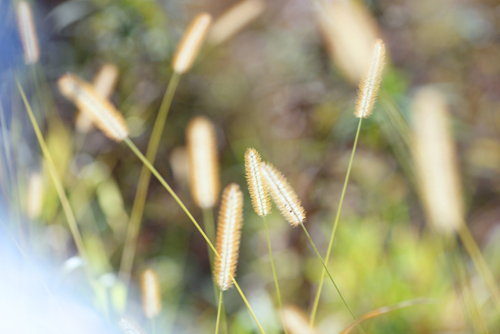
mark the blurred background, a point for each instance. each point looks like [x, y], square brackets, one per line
[285, 84]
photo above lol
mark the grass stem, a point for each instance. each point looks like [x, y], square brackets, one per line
[331, 278]
[337, 217]
[181, 204]
[143, 185]
[275, 276]
[57, 183]
[480, 264]
[218, 313]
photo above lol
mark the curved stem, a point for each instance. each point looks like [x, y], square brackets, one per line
[134, 224]
[57, 183]
[275, 276]
[177, 199]
[331, 278]
[337, 217]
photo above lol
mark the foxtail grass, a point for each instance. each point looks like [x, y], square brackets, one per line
[109, 113]
[440, 191]
[261, 203]
[55, 179]
[234, 19]
[296, 321]
[104, 84]
[187, 51]
[191, 43]
[290, 207]
[228, 241]
[134, 224]
[367, 94]
[27, 32]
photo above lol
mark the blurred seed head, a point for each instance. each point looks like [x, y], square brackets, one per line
[296, 322]
[191, 42]
[27, 32]
[151, 300]
[100, 110]
[349, 32]
[283, 195]
[104, 84]
[179, 162]
[203, 162]
[369, 86]
[35, 195]
[129, 326]
[435, 159]
[228, 236]
[234, 19]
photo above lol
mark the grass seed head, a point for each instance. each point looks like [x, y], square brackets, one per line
[104, 84]
[191, 43]
[283, 195]
[228, 236]
[130, 327]
[257, 188]
[203, 162]
[100, 110]
[296, 322]
[27, 32]
[235, 19]
[435, 160]
[35, 195]
[151, 300]
[368, 88]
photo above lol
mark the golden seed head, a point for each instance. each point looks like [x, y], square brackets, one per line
[349, 31]
[296, 322]
[27, 32]
[100, 110]
[228, 236]
[283, 195]
[129, 326]
[203, 162]
[368, 88]
[104, 84]
[35, 196]
[151, 300]
[191, 43]
[435, 160]
[235, 19]
[258, 189]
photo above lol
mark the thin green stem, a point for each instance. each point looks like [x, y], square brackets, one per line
[480, 264]
[278, 293]
[134, 224]
[337, 217]
[208, 222]
[331, 278]
[218, 313]
[57, 183]
[181, 204]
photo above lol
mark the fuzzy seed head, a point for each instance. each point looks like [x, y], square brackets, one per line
[129, 326]
[191, 43]
[296, 322]
[283, 195]
[151, 300]
[368, 88]
[235, 19]
[203, 162]
[35, 196]
[27, 32]
[100, 110]
[228, 236]
[258, 189]
[104, 84]
[435, 161]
